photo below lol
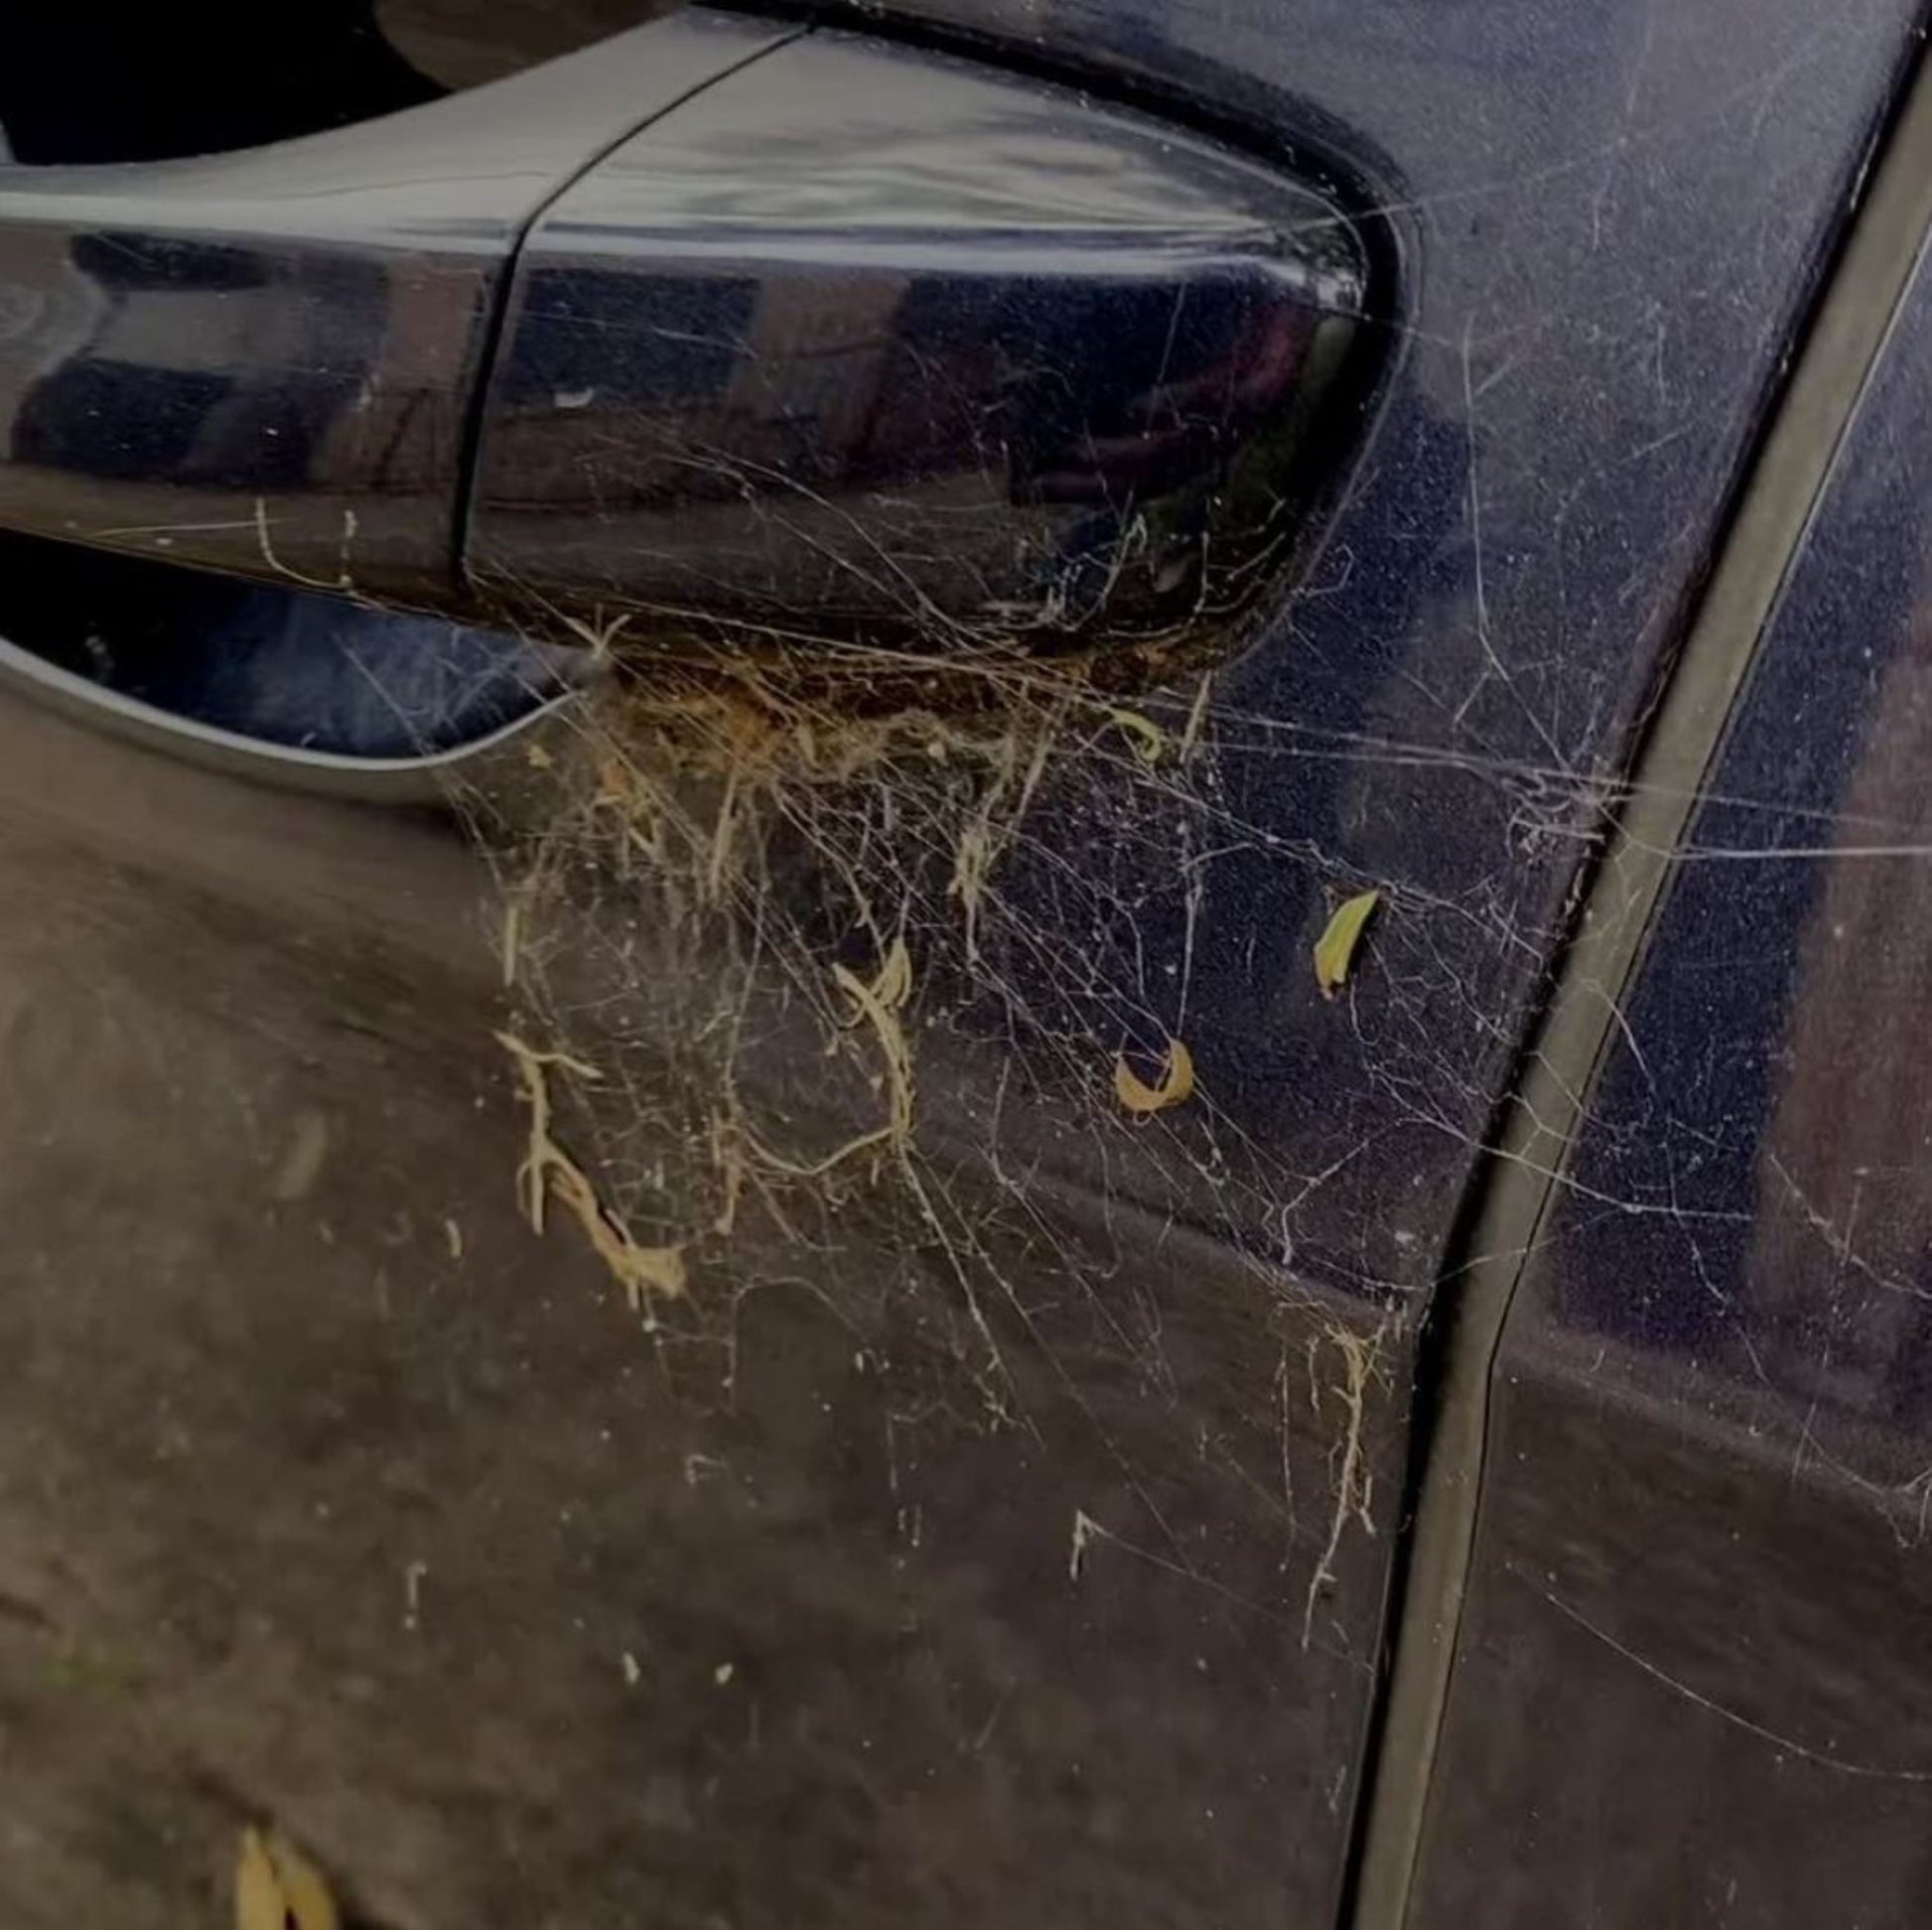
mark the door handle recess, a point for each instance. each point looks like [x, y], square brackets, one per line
[846, 339]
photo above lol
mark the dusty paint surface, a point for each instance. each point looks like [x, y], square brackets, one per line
[508, 1609]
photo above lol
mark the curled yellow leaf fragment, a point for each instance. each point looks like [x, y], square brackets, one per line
[1146, 735]
[276, 1887]
[1334, 950]
[1176, 1084]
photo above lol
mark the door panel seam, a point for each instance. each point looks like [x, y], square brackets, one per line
[1513, 1188]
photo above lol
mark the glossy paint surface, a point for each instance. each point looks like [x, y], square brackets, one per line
[265, 361]
[1610, 217]
[1609, 224]
[1695, 1681]
[870, 341]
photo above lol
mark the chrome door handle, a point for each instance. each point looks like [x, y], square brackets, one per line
[850, 339]
[866, 342]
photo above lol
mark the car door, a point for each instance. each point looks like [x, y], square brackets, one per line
[692, 1242]
[1687, 1669]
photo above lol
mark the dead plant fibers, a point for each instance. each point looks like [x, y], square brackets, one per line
[797, 934]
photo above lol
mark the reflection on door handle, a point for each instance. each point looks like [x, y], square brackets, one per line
[866, 341]
[851, 341]
[266, 362]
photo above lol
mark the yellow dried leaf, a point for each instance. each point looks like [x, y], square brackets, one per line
[1176, 1082]
[1146, 735]
[1334, 950]
[276, 1887]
